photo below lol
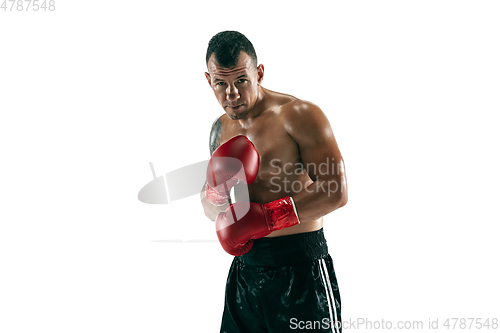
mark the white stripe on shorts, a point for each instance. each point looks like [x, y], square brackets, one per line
[329, 294]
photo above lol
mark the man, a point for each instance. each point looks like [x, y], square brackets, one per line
[282, 277]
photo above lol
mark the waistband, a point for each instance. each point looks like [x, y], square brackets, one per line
[287, 250]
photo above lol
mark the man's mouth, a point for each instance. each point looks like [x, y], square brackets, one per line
[236, 107]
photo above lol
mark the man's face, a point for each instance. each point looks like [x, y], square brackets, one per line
[236, 88]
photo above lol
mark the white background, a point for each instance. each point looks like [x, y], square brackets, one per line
[93, 91]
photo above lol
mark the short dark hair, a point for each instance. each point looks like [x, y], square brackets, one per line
[226, 47]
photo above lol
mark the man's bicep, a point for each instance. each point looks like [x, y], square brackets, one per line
[318, 148]
[215, 135]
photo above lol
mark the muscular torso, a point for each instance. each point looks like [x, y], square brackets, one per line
[281, 172]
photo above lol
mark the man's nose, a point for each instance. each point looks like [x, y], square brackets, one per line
[232, 93]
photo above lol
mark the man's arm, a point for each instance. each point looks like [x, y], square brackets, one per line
[309, 127]
[211, 211]
[239, 225]
[215, 135]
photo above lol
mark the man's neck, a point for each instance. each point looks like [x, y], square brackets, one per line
[259, 107]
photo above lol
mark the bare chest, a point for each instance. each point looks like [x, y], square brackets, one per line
[277, 150]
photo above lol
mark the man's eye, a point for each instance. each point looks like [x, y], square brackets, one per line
[241, 80]
[220, 83]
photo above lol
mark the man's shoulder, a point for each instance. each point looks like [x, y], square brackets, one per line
[300, 105]
[220, 129]
[220, 122]
[298, 110]
[301, 117]
[215, 134]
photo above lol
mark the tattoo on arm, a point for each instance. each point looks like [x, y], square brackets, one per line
[215, 135]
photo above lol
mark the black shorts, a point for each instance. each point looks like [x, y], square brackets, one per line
[283, 284]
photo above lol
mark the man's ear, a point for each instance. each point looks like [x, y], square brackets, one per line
[260, 73]
[207, 75]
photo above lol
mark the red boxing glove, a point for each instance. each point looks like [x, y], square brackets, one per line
[242, 222]
[236, 159]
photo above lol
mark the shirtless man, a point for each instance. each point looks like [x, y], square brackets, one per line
[282, 277]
